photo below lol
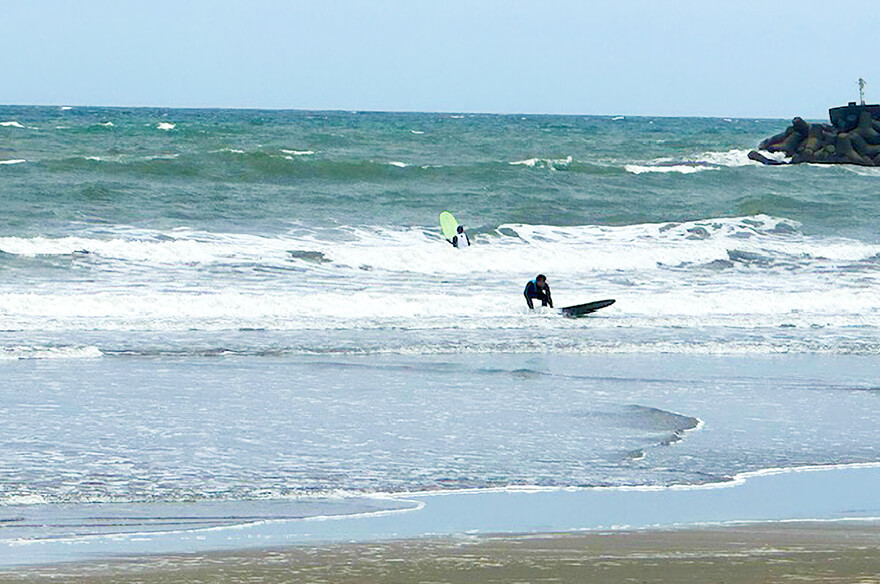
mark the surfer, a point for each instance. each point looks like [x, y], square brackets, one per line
[460, 240]
[539, 289]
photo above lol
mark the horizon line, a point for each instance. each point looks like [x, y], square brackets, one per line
[395, 111]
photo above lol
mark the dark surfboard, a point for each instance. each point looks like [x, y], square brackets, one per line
[584, 309]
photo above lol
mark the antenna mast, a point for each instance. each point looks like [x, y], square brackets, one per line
[862, 84]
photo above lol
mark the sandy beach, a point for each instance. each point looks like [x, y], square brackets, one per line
[772, 552]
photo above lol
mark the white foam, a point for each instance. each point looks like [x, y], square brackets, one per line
[64, 108]
[158, 249]
[636, 247]
[107, 124]
[417, 132]
[859, 170]
[729, 158]
[398, 164]
[710, 160]
[298, 152]
[781, 157]
[495, 308]
[14, 161]
[808, 468]
[165, 126]
[529, 162]
[735, 481]
[552, 163]
[617, 118]
[680, 168]
[644, 246]
[417, 506]
[714, 273]
[17, 353]
[11, 124]
[22, 500]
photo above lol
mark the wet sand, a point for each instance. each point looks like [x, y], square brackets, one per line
[772, 552]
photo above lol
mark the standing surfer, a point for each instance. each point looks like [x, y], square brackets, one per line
[460, 240]
[538, 288]
[452, 231]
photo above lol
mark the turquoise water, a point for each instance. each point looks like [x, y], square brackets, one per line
[232, 309]
[267, 172]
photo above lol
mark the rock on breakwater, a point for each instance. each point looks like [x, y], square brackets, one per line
[825, 143]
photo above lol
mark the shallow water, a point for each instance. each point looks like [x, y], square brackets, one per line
[163, 429]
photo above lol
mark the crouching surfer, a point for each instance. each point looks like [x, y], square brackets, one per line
[539, 289]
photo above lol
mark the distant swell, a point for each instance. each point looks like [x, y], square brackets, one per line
[240, 166]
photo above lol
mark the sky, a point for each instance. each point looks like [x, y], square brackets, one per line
[720, 58]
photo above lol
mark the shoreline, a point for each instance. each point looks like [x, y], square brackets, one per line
[767, 497]
[805, 550]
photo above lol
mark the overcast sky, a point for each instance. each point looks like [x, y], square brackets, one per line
[724, 58]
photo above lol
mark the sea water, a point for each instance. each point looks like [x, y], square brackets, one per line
[210, 318]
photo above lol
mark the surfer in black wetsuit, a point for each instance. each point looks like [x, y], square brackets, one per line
[539, 289]
[461, 240]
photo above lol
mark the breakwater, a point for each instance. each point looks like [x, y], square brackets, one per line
[852, 138]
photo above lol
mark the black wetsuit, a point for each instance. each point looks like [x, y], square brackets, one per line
[533, 291]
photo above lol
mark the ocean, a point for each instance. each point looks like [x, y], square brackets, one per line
[210, 318]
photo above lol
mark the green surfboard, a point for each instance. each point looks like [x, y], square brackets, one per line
[448, 225]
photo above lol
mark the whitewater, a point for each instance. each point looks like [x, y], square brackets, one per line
[758, 274]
